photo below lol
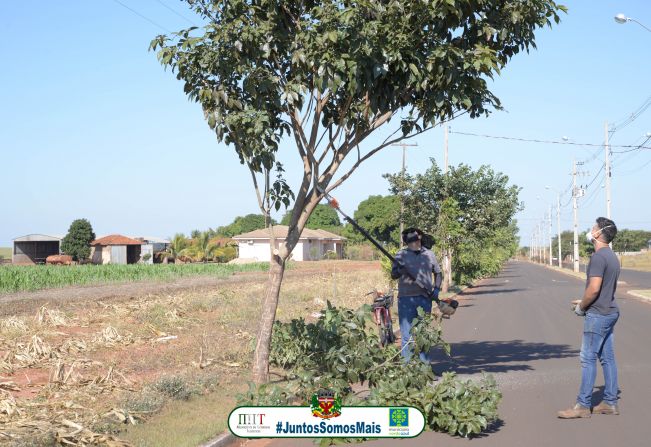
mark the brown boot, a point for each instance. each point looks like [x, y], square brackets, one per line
[577, 411]
[604, 408]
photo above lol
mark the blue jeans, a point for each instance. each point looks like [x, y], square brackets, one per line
[598, 340]
[407, 312]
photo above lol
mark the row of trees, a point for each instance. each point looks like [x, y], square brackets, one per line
[470, 213]
[626, 241]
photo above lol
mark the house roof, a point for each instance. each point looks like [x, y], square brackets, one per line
[38, 238]
[115, 239]
[280, 231]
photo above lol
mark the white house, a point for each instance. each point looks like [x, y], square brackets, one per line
[312, 245]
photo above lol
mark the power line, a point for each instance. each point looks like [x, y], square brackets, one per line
[633, 116]
[176, 12]
[532, 140]
[142, 16]
[635, 148]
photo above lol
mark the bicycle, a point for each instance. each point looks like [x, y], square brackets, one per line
[381, 306]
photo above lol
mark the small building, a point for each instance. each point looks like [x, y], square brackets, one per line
[312, 245]
[115, 249]
[150, 246]
[34, 248]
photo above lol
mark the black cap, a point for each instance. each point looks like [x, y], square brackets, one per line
[411, 235]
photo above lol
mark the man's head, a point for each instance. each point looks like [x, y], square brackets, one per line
[412, 237]
[604, 231]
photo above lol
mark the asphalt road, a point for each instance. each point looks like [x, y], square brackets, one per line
[633, 279]
[520, 328]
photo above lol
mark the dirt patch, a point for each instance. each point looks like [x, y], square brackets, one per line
[147, 351]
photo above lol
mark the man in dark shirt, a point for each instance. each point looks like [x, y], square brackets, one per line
[601, 313]
[414, 267]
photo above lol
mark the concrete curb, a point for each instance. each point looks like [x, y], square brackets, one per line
[226, 439]
[639, 295]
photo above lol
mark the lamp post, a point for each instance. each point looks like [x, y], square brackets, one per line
[621, 19]
[558, 222]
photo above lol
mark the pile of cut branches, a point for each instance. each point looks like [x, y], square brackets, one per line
[341, 349]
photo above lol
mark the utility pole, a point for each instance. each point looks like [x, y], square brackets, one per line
[558, 224]
[575, 254]
[551, 256]
[403, 171]
[445, 150]
[447, 262]
[608, 173]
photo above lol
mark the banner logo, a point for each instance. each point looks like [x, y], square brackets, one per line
[325, 404]
[398, 417]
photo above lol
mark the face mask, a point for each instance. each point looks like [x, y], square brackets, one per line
[592, 239]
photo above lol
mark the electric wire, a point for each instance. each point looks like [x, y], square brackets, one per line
[142, 16]
[534, 140]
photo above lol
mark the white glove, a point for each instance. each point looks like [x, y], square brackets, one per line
[578, 311]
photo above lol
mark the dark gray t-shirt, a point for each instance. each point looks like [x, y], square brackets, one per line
[420, 265]
[604, 264]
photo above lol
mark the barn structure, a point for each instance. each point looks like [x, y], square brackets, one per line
[312, 244]
[115, 249]
[34, 248]
[151, 246]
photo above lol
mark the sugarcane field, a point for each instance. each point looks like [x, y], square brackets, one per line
[261, 223]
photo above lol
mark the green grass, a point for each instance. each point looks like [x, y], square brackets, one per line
[5, 252]
[14, 278]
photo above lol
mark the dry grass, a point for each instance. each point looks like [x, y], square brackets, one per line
[171, 364]
[639, 262]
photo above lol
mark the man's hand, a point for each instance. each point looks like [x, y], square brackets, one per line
[577, 310]
[435, 293]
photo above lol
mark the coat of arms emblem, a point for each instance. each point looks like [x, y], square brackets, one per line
[325, 404]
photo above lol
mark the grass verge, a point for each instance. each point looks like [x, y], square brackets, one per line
[639, 262]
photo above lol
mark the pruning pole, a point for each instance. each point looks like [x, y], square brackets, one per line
[335, 204]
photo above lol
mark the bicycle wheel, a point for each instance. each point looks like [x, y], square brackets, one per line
[391, 337]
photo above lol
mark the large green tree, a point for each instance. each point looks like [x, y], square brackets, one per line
[243, 224]
[631, 240]
[77, 242]
[330, 73]
[469, 212]
[380, 216]
[324, 217]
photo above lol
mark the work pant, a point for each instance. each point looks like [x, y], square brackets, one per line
[598, 341]
[407, 312]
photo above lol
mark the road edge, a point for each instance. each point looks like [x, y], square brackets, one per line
[639, 295]
[226, 439]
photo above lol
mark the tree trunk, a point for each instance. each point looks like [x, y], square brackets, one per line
[446, 279]
[267, 318]
[449, 267]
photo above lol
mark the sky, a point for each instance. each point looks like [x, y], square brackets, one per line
[92, 126]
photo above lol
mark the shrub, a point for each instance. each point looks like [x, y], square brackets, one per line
[174, 387]
[360, 252]
[341, 348]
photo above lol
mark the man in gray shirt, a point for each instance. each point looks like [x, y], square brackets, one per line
[414, 267]
[601, 314]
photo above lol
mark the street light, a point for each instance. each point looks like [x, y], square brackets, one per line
[621, 19]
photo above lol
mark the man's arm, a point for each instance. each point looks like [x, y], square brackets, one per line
[397, 267]
[438, 274]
